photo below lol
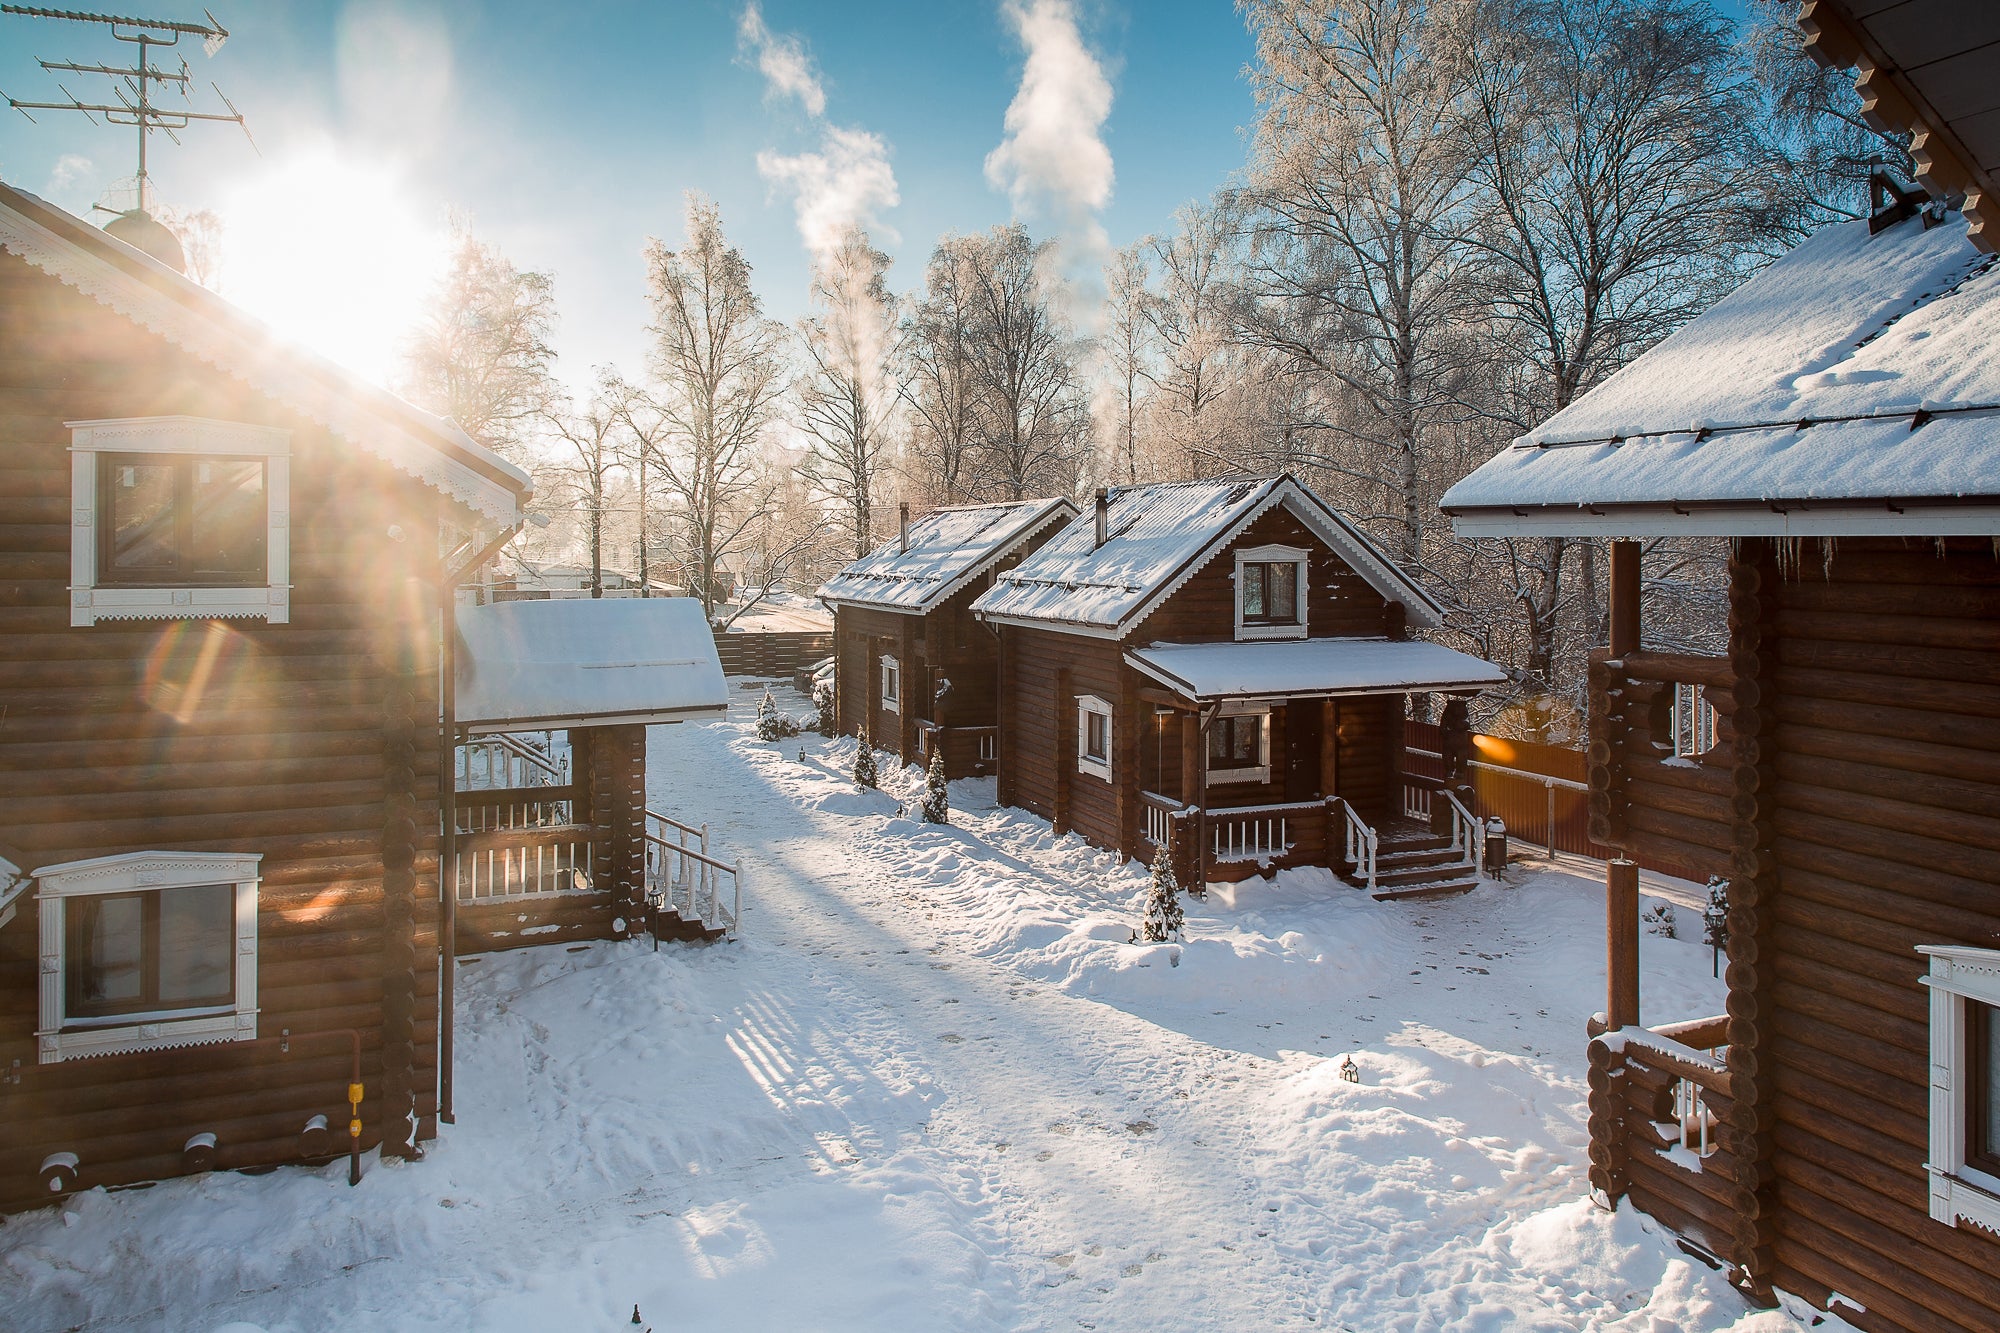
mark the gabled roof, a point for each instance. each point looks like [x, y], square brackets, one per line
[1159, 536]
[586, 661]
[201, 323]
[1851, 387]
[947, 549]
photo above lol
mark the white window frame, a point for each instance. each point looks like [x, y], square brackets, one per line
[1960, 1193]
[1257, 773]
[1086, 706]
[892, 684]
[60, 1038]
[1275, 555]
[989, 747]
[91, 601]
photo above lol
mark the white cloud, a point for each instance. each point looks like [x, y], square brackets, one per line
[1053, 162]
[68, 170]
[847, 182]
[782, 60]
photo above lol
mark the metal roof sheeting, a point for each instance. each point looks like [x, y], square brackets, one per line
[947, 549]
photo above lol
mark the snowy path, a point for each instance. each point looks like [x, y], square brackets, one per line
[932, 1087]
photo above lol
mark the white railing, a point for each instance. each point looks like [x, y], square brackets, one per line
[1416, 802]
[1160, 812]
[1693, 723]
[1465, 829]
[1361, 842]
[1256, 832]
[516, 808]
[681, 875]
[1696, 1122]
[523, 863]
[508, 761]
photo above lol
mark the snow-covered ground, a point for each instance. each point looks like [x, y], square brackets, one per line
[934, 1087]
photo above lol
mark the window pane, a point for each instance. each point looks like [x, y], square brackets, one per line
[1284, 599]
[142, 518]
[1253, 591]
[229, 519]
[108, 949]
[197, 944]
[1094, 743]
[1986, 1111]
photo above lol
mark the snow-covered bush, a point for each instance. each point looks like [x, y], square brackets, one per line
[825, 717]
[1659, 918]
[1163, 904]
[937, 801]
[772, 723]
[864, 762]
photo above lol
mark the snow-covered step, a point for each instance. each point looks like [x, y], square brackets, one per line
[1435, 882]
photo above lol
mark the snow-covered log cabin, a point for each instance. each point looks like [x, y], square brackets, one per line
[1222, 668]
[1835, 1133]
[222, 575]
[914, 669]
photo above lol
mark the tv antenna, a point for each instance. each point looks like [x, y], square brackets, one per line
[133, 86]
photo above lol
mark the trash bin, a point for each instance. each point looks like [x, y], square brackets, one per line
[1496, 846]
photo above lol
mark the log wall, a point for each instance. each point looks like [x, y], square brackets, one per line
[219, 736]
[1339, 602]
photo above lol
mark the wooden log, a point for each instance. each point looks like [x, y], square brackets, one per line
[1933, 628]
[1860, 1050]
[1624, 599]
[1860, 719]
[1678, 669]
[1861, 1116]
[1621, 941]
[1883, 1283]
[1959, 909]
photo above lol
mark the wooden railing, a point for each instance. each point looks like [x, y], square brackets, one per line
[683, 876]
[1421, 796]
[1160, 811]
[523, 862]
[505, 761]
[1658, 1099]
[1261, 833]
[1361, 844]
[486, 809]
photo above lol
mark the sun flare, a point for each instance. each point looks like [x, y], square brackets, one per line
[333, 253]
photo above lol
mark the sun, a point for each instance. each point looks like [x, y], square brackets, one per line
[333, 253]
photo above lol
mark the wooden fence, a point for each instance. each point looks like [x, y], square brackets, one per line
[1540, 791]
[781, 654]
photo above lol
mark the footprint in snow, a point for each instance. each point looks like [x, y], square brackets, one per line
[1140, 1128]
[951, 1037]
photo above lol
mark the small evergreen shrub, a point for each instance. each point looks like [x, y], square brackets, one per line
[773, 724]
[825, 717]
[1659, 919]
[864, 762]
[937, 800]
[1163, 904]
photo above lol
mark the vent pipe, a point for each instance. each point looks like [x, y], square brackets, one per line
[1103, 516]
[903, 542]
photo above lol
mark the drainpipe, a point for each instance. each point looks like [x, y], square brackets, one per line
[1103, 517]
[453, 574]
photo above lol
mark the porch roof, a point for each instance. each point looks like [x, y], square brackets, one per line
[1309, 668]
[586, 662]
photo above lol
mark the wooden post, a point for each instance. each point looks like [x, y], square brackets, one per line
[1004, 723]
[1621, 943]
[1125, 748]
[1624, 598]
[913, 685]
[1065, 756]
[1329, 747]
[1194, 796]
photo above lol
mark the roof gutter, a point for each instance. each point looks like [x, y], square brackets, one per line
[1925, 516]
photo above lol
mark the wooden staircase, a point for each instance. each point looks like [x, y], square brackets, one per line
[1413, 862]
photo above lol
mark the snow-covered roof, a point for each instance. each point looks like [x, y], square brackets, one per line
[1158, 537]
[1309, 668]
[947, 549]
[195, 319]
[586, 662]
[1853, 386]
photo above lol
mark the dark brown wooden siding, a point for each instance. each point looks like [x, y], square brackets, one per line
[1885, 719]
[1038, 715]
[116, 738]
[1339, 602]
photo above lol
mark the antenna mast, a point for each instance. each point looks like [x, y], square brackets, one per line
[133, 86]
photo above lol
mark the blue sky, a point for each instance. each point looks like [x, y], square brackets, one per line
[570, 132]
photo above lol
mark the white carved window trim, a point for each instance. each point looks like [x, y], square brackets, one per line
[1256, 773]
[58, 1038]
[892, 684]
[1959, 1192]
[1259, 555]
[91, 602]
[1087, 706]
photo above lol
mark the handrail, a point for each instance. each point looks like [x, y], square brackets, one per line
[1361, 842]
[1464, 828]
[671, 822]
[1281, 808]
[1160, 802]
[534, 758]
[692, 886]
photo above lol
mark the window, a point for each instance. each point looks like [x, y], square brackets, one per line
[1239, 745]
[1271, 592]
[989, 748]
[1964, 1162]
[179, 516]
[147, 950]
[892, 685]
[1093, 736]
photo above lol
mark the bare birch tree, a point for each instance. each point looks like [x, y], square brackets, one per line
[717, 367]
[586, 461]
[939, 379]
[1202, 406]
[845, 395]
[1033, 411]
[482, 354]
[1125, 351]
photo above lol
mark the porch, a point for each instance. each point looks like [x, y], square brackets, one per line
[1264, 756]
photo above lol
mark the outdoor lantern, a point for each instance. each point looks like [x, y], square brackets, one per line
[1715, 921]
